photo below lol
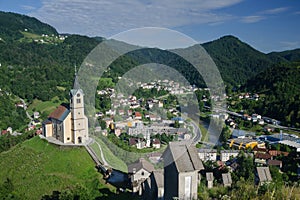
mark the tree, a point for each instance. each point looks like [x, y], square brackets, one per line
[176, 124]
[246, 166]
[102, 124]
[225, 135]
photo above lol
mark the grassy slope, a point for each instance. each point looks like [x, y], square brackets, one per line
[44, 106]
[37, 168]
[112, 160]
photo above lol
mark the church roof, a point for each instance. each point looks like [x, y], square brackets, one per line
[184, 156]
[76, 87]
[60, 113]
[75, 91]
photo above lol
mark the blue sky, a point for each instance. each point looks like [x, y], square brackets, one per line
[268, 25]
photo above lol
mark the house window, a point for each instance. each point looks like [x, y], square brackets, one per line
[78, 113]
[143, 173]
[78, 100]
[78, 95]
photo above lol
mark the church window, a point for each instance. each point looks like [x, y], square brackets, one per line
[78, 100]
[68, 138]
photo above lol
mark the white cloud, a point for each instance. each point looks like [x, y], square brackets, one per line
[252, 19]
[107, 17]
[263, 15]
[275, 10]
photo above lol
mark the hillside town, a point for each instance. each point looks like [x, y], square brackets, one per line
[214, 164]
[169, 140]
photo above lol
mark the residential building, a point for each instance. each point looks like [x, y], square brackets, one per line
[227, 181]
[263, 175]
[228, 154]
[209, 179]
[181, 171]
[156, 143]
[139, 172]
[276, 163]
[207, 154]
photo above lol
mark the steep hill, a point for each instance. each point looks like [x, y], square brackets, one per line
[281, 84]
[236, 60]
[290, 55]
[12, 25]
[36, 168]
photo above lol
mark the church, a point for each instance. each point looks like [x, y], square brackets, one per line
[69, 124]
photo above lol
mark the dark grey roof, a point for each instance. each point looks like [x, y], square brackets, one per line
[207, 151]
[226, 177]
[264, 174]
[209, 176]
[159, 178]
[184, 155]
[140, 164]
[73, 92]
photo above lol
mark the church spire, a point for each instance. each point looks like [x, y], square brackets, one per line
[76, 84]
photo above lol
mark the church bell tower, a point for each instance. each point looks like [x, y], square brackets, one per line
[79, 120]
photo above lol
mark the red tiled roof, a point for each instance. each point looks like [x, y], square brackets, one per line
[138, 114]
[256, 148]
[132, 141]
[277, 153]
[56, 114]
[156, 141]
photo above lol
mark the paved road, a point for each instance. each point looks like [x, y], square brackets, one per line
[197, 132]
[102, 155]
[239, 115]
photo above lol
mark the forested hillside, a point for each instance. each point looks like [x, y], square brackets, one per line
[236, 60]
[281, 86]
[12, 25]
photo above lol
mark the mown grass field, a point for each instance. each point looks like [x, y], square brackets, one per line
[44, 106]
[36, 168]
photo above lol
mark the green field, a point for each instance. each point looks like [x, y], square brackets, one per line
[44, 106]
[36, 168]
[29, 37]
